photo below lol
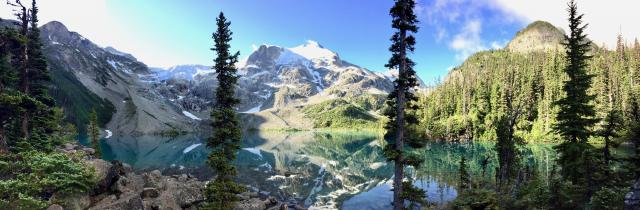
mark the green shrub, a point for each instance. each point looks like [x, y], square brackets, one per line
[608, 198]
[339, 113]
[476, 199]
[31, 179]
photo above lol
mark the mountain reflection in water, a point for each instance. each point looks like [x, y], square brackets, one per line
[320, 170]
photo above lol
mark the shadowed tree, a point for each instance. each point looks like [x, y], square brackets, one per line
[221, 193]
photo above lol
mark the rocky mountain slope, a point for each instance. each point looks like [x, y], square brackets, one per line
[114, 78]
[276, 84]
[538, 36]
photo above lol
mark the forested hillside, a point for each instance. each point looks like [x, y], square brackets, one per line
[470, 100]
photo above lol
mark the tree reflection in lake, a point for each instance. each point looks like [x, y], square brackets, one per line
[321, 169]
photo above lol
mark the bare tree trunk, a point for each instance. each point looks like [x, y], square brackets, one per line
[24, 77]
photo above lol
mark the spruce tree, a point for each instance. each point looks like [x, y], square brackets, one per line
[94, 133]
[22, 66]
[33, 75]
[10, 99]
[225, 142]
[509, 110]
[401, 102]
[42, 116]
[576, 115]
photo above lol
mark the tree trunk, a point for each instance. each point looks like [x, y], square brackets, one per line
[398, 201]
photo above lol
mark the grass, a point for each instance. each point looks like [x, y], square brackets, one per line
[340, 114]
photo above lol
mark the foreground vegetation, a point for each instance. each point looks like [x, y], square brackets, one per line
[33, 175]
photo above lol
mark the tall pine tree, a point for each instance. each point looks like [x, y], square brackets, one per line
[400, 101]
[221, 193]
[577, 115]
[42, 116]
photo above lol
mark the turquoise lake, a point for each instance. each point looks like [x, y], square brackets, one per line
[320, 170]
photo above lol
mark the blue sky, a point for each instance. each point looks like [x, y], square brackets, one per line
[168, 32]
[358, 30]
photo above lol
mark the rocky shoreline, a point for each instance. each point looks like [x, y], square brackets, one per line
[120, 187]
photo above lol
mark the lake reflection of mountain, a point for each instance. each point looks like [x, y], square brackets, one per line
[323, 170]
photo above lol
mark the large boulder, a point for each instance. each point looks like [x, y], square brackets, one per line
[77, 202]
[150, 192]
[153, 179]
[129, 201]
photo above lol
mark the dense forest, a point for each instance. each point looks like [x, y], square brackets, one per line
[581, 98]
[467, 104]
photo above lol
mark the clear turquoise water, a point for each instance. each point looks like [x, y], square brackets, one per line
[321, 170]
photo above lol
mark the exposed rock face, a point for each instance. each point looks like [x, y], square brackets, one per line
[538, 36]
[632, 199]
[109, 75]
[275, 82]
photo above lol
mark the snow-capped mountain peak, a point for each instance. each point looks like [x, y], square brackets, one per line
[312, 50]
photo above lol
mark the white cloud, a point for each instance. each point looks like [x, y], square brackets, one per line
[459, 23]
[468, 41]
[605, 18]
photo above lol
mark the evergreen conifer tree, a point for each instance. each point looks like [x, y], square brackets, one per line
[225, 142]
[401, 101]
[576, 115]
[94, 133]
[10, 99]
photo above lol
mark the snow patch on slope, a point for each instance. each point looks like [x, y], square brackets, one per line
[255, 151]
[189, 115]
[189, 148]
[253, 110]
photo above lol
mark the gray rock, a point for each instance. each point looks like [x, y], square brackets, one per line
[251, 204]
[153, 179]
[129, 201]
[183, 178]
[68, 146]
[632, 198]
[55, 207]
[76, 202]
[89, 150]
[149, 192]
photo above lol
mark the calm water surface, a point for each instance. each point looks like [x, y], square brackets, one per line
[320, 170]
